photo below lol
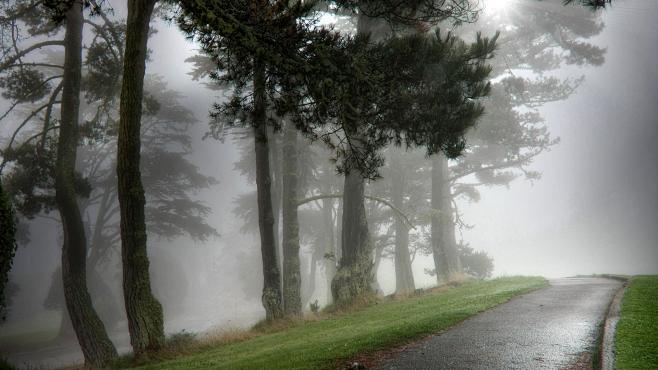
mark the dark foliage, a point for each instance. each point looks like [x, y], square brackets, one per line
[7, 248]
[413, 12]
[593, 4]
[24, 85]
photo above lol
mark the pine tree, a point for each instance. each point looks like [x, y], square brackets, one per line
[144, 311]
[96, 346]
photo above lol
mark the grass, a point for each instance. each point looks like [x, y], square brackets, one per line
[29, 333]
[324, 342]
[636, 337]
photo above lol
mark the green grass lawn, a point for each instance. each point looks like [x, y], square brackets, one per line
[636, 337]
[320, 343]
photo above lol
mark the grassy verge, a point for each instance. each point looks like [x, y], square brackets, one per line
[314, 344]
[636, 337]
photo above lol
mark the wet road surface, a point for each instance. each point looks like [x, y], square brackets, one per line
[552, 328]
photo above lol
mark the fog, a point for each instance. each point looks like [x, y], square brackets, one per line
[594, 210]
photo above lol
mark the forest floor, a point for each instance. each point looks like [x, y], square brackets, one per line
[334, 340]
[636, 337]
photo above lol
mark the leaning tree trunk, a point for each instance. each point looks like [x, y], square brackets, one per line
[272, 278]
[144, 312]
[404, 278]
[292, 301]
[446, 258]
[96, 346]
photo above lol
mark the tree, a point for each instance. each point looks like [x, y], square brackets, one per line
[7, 248]
[542, 37]
[96, 345]
[30, 158]
[172, 211]
[254, 43]
[443, 89]
[24, 84]
[292, 299]
[404, 182]
[145, 317]
[380, 18]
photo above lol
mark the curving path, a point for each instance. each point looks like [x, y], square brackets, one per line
[552, 328]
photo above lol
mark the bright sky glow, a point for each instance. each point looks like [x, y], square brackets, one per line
[497, 6]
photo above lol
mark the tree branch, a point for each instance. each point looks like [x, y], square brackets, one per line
[24, 52]
[396, 210]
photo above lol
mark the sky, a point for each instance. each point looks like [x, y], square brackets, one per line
[595, 209]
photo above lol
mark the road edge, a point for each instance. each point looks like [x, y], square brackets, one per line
[607, 347]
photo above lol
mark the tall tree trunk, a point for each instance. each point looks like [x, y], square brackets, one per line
[446, 258]
[354, 275]
[96, 346]
[292, 301]
[144, 312]
[271, 274]
[404, 278]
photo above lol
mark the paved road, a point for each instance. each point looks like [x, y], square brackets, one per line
[548, 329]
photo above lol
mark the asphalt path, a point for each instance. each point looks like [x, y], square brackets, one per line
[552, 328]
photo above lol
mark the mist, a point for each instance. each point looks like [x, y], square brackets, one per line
[584, 203]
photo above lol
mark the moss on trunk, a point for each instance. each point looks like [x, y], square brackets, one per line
[145, 318]
[292, 302]
[354, 276]
[271, 275]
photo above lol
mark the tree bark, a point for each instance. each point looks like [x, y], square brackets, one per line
[446, 258]
[271, 274]
[96, 346]
[292, 303]
[355, 271]
[144, 312]
[354, 275]
[404, 278]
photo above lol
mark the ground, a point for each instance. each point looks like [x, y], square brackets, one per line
[636, 337]
[552, 328]
[335, 340]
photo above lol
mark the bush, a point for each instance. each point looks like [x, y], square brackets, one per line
[181, 340]
[476, 263]
[5, 365]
